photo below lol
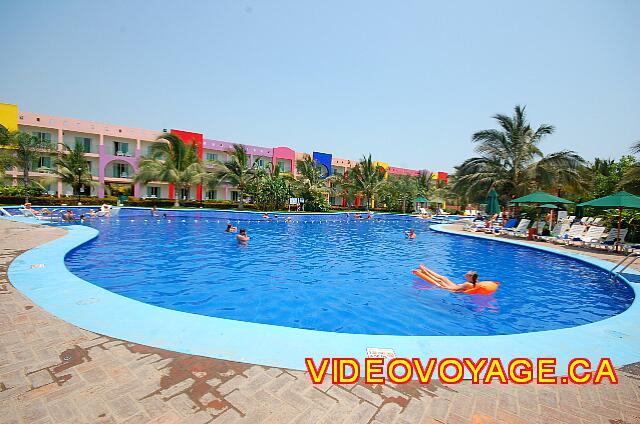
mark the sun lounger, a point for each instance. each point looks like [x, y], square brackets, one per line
[575, 232]
[597, 221]
[522, 227]
[592, 235]
[558, 232]
[612, 239]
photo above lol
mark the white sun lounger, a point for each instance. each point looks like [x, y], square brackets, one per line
[575, 232]
[558, 232]
[610, 241]
[521, 228]
[592, 235]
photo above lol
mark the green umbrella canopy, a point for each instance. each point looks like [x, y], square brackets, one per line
[619, 200]
[548, 206]
[493, 206]
[420, 200]
[540, 197]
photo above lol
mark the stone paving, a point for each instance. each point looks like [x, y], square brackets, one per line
[54, 372]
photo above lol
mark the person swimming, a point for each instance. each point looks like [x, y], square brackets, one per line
[231, 228]
[445, 283]
[265, 215]
[242, 236]
[411, 234]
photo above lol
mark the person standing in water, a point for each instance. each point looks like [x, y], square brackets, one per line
[242, 236]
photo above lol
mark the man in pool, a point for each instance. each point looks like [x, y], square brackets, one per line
[231, 228]
[445, 283]
[411, 234]
[242, 236]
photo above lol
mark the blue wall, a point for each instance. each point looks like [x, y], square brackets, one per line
[323, 159]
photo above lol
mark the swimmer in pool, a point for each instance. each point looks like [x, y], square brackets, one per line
[445, 283]
[242, 236]
[411, 234]
[231, 229]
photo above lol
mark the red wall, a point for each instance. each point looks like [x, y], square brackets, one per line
[189, 138]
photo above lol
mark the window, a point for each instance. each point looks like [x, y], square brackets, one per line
[234, 196]
[153, 191]
[42, 162]
[89, 166]
[284, 164]
[120, 170]
[85, 142]
[43, 136]
[210, 157]
[120, 148]
[259, 162]
[212, 194]
[184, 193]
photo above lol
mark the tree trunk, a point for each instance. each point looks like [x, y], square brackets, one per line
[25, 182]
[240, 199]
[404, 205]
[176, 194]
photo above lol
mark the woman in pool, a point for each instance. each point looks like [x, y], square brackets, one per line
[265, 215]
[242, 236]
[445, 283]
[230, 228]
[411, 234]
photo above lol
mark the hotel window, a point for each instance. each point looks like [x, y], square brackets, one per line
[89, 166]
[234, 196]
[42, 136]
[120, 170]
[184, 193]
[120, 148]
[210, 157]
[153, 192]
[284, 164]
[42, 162]
[212, 194]
[259, 163]
[85, 142]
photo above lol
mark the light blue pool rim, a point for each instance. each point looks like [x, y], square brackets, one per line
[55, 289]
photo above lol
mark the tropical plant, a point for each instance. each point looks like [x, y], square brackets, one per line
[173, 161]
[398, 192]
[237, 171]
[510, 161]
[311, 186]
[631, 179]
[366, 179]
[23, 151]
[272, 190]
[72, 168]
[609, 176]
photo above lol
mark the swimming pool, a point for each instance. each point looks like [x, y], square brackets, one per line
[335, 274]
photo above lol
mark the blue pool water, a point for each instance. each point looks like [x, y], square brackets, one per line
[343, 275]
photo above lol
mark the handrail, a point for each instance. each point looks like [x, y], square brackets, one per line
[626, 261]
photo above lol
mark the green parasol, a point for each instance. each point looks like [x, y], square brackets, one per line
[619, 200]
[493, 206]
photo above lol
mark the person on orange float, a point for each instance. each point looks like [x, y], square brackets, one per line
[445, 283]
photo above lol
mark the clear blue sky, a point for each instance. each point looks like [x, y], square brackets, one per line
[406, 81]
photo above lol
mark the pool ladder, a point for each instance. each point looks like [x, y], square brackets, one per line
[623, 264]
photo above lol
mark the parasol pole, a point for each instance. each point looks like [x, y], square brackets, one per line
[619, 222]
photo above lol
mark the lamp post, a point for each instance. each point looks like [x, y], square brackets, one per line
[79, 170]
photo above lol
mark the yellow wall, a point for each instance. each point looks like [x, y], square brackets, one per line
[9, 116]
[384, 165]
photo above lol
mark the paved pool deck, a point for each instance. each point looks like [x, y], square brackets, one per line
[54, 372]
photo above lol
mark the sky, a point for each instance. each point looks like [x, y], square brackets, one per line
[408, 82]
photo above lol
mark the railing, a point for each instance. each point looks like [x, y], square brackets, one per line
[623, 264]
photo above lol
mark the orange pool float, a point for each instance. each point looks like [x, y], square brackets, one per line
[483, 287]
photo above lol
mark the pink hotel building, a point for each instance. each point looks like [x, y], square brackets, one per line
[113, 151]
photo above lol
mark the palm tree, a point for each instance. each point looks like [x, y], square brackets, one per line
[237, 171]
[631, 179]
[310, 172]
[25, 149]
[510, 161]
[366, 178]
[172, 161]
[399, 190]
[72, 168]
